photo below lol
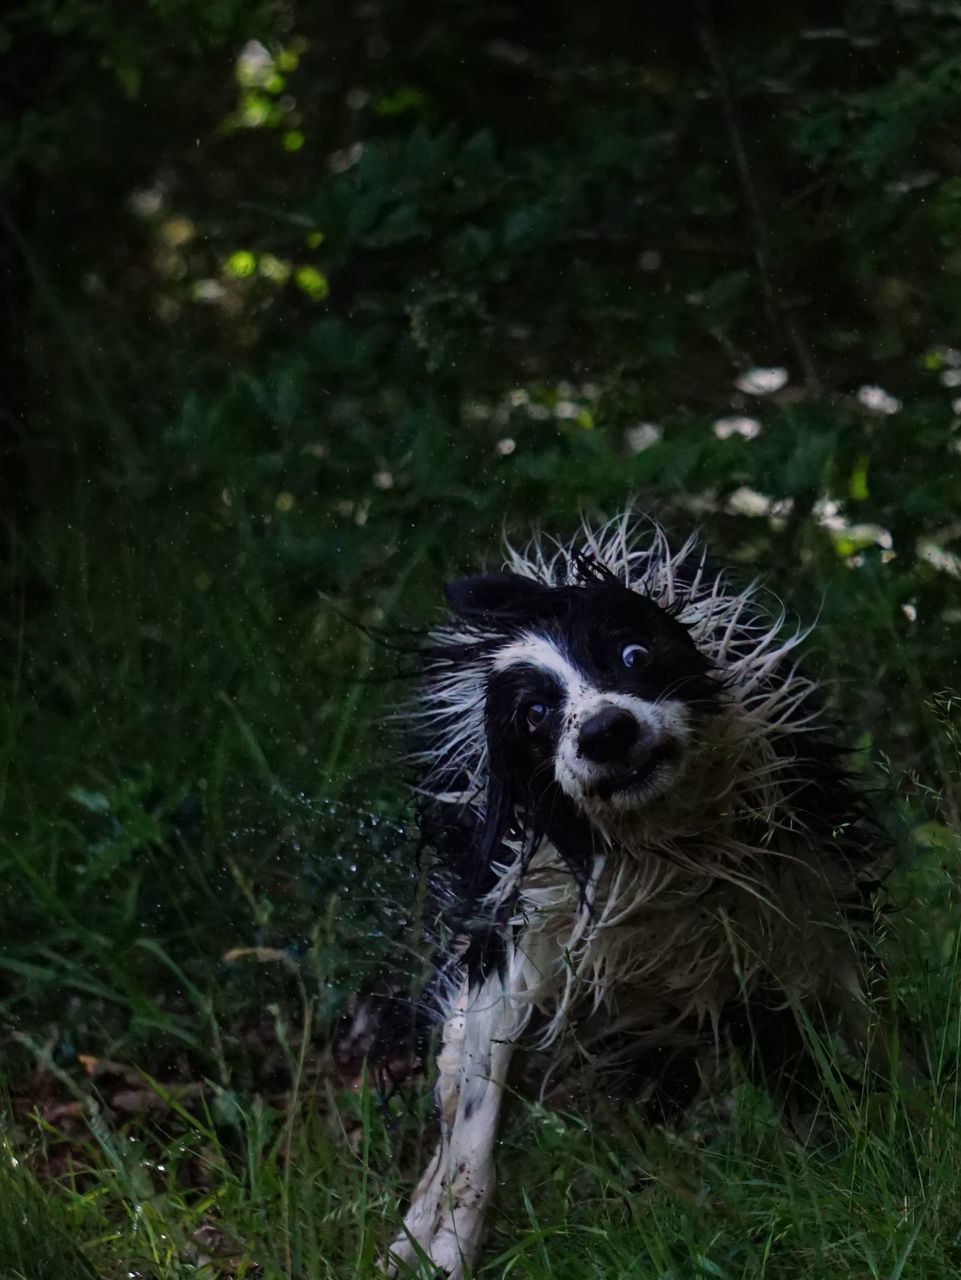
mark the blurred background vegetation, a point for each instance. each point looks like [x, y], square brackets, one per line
[303, 304]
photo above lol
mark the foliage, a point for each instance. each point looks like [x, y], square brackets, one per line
[305, 306]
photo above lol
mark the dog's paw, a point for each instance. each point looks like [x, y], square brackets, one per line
[408, 1261]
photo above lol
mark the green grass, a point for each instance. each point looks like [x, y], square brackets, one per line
[206, 848]
[314, 1189]
[35, 1242]
[269, 1166]
[198, 766]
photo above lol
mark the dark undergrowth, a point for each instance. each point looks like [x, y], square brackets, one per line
[304, 310]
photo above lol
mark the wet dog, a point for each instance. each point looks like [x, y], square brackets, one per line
[645, 833]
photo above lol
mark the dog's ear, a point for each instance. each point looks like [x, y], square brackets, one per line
[493, 595]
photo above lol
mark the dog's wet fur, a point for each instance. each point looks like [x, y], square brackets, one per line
[648, 847]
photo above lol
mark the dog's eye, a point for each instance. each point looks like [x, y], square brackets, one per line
[535, 713]
[635, 656]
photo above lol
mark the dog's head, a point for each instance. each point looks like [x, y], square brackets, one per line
[591, 688]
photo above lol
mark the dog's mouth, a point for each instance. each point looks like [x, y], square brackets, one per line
[635, 778]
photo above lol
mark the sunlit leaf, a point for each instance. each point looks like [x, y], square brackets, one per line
[241, 263]
[255, 110]
[858, 484]
[313, 282]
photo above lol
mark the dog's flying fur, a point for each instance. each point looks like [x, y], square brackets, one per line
[645, 836]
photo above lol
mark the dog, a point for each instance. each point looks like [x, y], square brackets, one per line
[645, 833]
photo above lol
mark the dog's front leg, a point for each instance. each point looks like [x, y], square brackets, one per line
[469, 1176]
[420, 1221]
[446, 1216]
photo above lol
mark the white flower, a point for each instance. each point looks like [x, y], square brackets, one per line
[762, 382]
[828, 512]
[749, 428]
[865, 533]
[642, 436]
[940, 559]
[254, 64]
[208, 291]
[341, 161]
[146, 202]
[878, 400]
[747, 502]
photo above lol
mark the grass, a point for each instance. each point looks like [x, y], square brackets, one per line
[174, 1113]
[206, 849]
[314, 1189]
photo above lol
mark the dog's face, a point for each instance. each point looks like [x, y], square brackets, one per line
[593, 688]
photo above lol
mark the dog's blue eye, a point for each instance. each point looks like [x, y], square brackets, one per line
[536, 714]
[635, 655]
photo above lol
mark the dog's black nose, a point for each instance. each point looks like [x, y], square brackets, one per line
[608, 735]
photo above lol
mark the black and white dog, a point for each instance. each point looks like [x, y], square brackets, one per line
[645, 832]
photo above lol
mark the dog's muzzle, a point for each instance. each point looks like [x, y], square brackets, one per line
[610, 735]
[624, 752]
